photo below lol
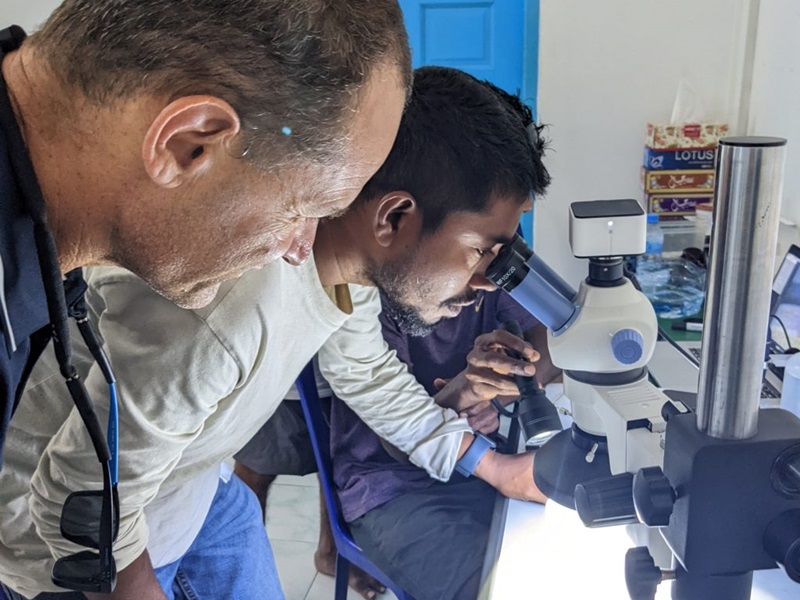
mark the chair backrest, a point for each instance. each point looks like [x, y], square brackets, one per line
[319, 432]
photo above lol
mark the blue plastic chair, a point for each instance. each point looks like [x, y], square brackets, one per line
[347, 551]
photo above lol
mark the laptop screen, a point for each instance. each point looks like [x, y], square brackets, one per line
[785, 304]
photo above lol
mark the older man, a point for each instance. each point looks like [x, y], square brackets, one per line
[186, 141]
[197, 384]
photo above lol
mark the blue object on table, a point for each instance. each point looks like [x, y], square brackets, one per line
[676, 287]
[347, 551]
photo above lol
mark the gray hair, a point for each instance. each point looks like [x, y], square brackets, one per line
[292, 69]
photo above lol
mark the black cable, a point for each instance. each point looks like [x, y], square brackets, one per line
[786, 333]
[503, 410]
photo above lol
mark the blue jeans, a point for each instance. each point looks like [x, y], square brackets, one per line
[230, 557]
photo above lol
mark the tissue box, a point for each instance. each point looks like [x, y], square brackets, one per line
[665, 136]
[682, 182]
[673, 206]
[681, 159]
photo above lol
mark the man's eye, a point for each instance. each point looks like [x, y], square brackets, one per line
[482, 252]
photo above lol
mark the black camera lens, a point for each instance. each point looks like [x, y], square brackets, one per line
[538, 416]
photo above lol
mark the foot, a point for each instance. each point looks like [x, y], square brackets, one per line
[367, 586]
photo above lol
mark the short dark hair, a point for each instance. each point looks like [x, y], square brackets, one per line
[290, 68]
[461, 143]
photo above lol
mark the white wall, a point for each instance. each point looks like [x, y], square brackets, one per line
[775, 97]
[28, 14]
[605, 70]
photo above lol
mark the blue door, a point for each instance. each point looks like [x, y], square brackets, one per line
[490, 39]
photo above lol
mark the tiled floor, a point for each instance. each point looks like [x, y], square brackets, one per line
[293, 528]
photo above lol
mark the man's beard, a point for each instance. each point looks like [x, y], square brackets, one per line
[407, 318]
[393, 280]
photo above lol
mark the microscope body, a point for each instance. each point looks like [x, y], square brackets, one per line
[602, 338]
[604, 354]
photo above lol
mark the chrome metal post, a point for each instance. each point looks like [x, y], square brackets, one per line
[743, 239]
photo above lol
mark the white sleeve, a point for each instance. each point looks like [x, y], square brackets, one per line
[369, 377]
[171, 372]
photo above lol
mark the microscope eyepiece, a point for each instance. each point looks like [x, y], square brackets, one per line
[508, 269]
[531, 283]
[521, 246]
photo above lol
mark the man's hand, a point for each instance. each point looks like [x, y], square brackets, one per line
[489, 371]
[137, 581]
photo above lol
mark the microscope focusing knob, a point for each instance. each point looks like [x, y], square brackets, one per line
[653, 497]
[642, 576]
[606, 501]
[628, 346]
[782, 541]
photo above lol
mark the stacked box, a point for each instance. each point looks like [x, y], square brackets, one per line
[678, 167]
[677, 181]
[684, 136]
[680, 159]
[672, 206]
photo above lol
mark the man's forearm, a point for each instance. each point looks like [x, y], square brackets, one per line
[510, 474]
[137, 581]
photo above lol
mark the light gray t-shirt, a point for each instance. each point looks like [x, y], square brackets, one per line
[195, 386]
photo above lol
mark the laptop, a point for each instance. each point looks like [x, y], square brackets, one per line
[673, 371]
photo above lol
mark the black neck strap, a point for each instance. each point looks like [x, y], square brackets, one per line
[10, 39]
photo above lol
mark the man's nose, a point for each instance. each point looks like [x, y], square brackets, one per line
[479, 281]
[302, 244]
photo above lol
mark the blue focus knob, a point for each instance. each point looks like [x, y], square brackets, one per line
[628, 346]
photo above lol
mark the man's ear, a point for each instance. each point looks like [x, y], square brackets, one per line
[186, 137]
[396, 215]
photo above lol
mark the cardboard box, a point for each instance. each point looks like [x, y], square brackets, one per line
[679, 160]
[673, 206]
[683, 182]
[672, 136]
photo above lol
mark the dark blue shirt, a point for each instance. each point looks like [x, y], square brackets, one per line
[26, 313]
[366, 476]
